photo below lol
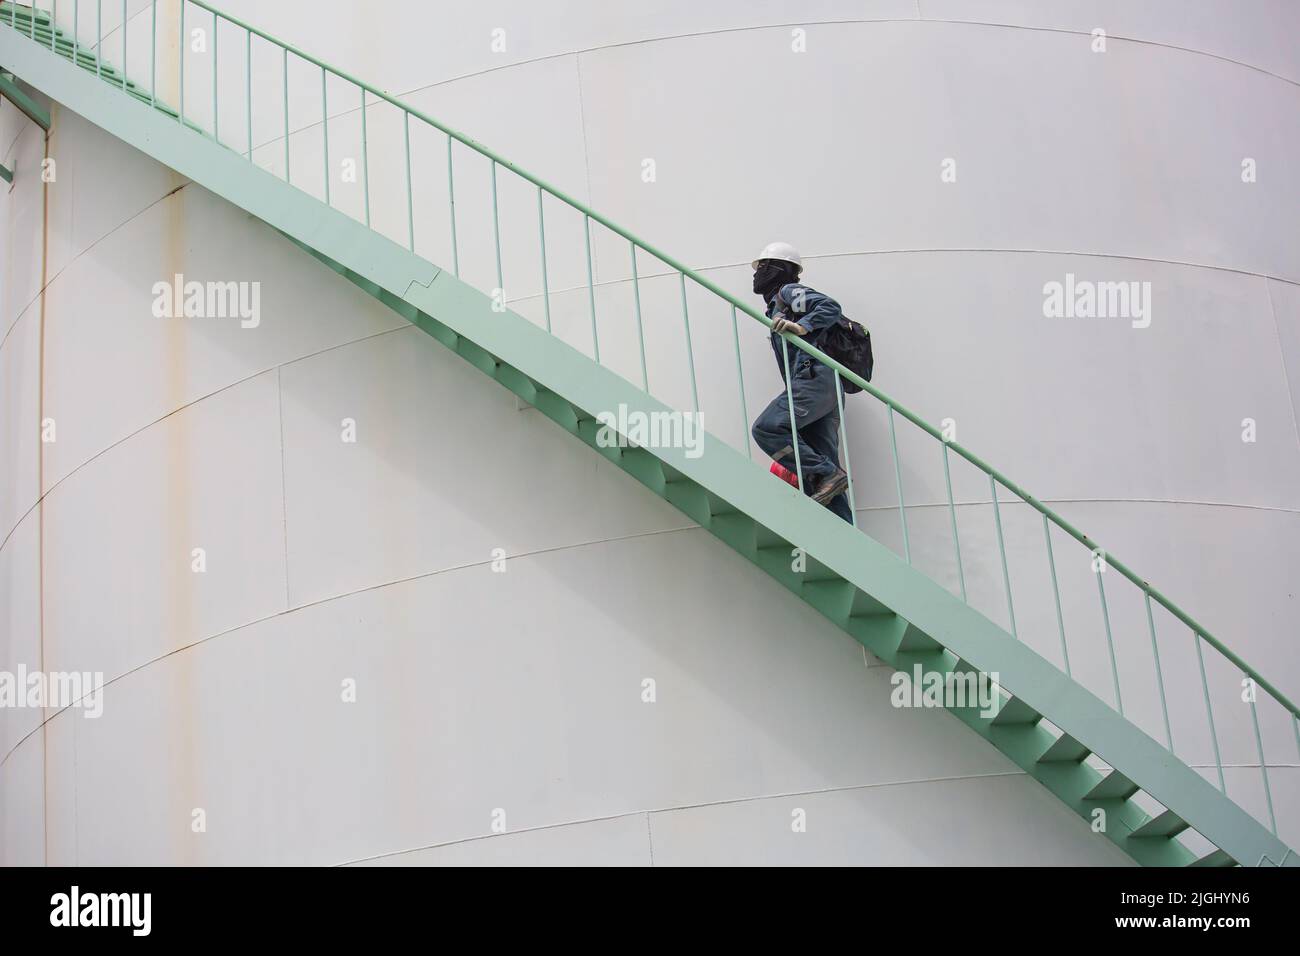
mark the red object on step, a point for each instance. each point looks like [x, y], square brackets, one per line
[785, 474]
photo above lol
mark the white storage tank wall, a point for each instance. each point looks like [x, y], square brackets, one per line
[372, 561]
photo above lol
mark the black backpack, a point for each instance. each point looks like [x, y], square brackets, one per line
[849, 344]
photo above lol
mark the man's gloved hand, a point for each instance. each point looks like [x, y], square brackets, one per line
[785, 325]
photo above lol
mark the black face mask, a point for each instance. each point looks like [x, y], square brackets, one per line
[770, 276]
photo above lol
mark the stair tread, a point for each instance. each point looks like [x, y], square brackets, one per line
[1164, 824]
[1065, 750]
[1112, 786]
[1015, 712]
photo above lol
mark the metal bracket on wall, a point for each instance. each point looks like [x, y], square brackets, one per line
[10, 90]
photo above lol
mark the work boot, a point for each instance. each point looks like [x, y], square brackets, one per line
[833, 484]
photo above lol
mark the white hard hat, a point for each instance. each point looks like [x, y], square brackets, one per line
[779, 250]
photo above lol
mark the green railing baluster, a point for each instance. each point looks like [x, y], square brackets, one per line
[215, 137]
[1056, 595]
[1002, 552]
[1209, 713]
[284, 62]
[496, 232]
[898, 482]
[591, 289]
[640, 330]
[451, 203]
[952, 515]
[1160, 677]
[844, 447]
[54, 31]
[410, 198]
[99, 37]
[1110, 642]
[76, 25]
[180, 71]
[31, 23]
[248, 89]
[325, 129]
[1263, 765]
[740, 381]
[789, 404]
[541, 233]
[690, 350]
[365, 159]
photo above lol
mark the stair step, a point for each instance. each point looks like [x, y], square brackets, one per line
[736, 529]
[833, 598]
[671, 475]
[1065, 750]
[887, 635]
[399, 305]
[1166, 824]
[720, 506]
[486, 362]
[769, 539]
[864, 605]
[1016, 713]
[22, 17]
[63, 47]
[427, 323]
[963, 666]
[519, 383]
[690, 499]
[373, 290]
[1216, 859]
[779, 560]
[1113, 786]
[815, 572]
[916, 641]
[589, 430]
[42, 31]
[644, 467]
[547, 402]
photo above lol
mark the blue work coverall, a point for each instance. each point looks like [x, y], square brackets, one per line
[816, 410]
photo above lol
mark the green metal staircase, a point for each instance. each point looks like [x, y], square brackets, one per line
[1080, 747]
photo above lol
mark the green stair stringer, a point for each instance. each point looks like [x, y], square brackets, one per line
[899, 614]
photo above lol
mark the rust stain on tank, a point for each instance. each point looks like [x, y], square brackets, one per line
[178, 503]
